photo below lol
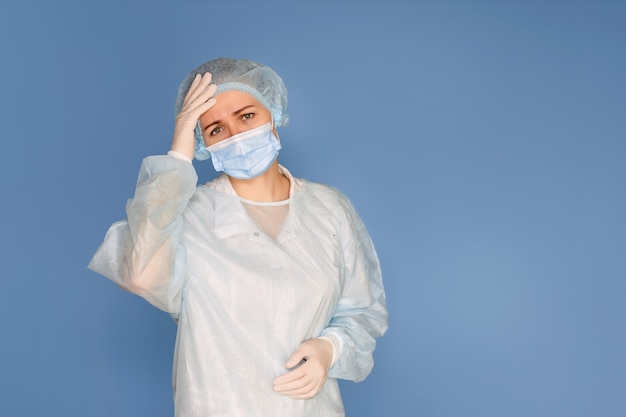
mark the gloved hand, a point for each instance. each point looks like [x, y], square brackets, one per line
[198, 100]
[306, 380]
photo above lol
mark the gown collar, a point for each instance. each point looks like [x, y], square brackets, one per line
[232, 219]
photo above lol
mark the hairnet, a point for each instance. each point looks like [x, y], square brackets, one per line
[256, 79]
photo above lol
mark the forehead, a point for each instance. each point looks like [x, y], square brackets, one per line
[229, 102]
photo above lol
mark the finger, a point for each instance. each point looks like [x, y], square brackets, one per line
[198, 86]
[290, 376]
[291, 380]
[196, 80]
[197, 106]
[211, 89]
[201, 95]
[302, 388]
[207, 76]
[305, 387]
[193, 85]
[202, 103]
[293, 390]
[298, 356]
[295, 360]
[306, 391]
[303, 396]
[204, 107]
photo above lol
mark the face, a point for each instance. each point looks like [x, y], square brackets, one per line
[234, 112]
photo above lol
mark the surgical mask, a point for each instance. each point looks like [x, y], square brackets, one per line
[246, 155]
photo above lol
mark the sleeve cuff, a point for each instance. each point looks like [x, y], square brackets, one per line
[337, 345]
[179, 155]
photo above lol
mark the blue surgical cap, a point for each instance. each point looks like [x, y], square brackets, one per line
[258, 80]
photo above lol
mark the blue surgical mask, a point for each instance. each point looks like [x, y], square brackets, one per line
[247, 154]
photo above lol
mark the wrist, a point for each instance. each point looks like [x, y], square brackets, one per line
[179, 155]
[183, 149]
[335, 347]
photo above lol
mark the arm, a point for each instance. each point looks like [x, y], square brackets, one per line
[361, 313]
[143, 254]
[344, 349]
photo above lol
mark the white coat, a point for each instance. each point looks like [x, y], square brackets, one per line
[247, 283]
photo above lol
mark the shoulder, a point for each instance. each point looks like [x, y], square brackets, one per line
[309, 192]
[207, 197]
[322, 190]
[327, 196]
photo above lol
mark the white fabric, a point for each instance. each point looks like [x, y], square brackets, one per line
[179, 155]
[336, 342]
[245, 299]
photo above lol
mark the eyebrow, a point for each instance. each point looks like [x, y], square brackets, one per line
[235, 113]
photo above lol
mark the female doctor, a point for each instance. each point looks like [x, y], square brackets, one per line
[273, 280]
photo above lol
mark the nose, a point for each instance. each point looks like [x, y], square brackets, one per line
[234, 129]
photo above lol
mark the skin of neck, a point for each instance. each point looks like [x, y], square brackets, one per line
[268, 187]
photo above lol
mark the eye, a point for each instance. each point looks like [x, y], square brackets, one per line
[216, 131]
[247, 116]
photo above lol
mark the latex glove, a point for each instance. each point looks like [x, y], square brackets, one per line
[306, 380]
[198, 100]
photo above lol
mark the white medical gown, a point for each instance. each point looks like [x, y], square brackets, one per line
[247, 283]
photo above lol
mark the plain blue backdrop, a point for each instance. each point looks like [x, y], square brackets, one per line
[482, 142]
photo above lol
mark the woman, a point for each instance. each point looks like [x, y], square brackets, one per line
[273, 280]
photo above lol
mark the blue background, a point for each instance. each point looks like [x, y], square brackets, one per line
[482, 142]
